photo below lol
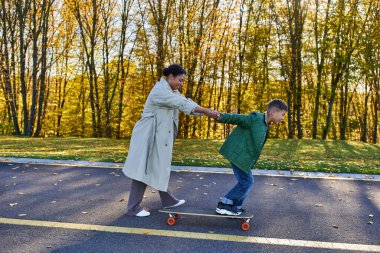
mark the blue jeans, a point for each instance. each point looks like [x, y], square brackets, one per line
[239, 192]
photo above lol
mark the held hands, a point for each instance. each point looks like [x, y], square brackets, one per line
[213, 114]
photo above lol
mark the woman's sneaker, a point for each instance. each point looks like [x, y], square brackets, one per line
[227, 209]
[143, 213]
[180, 202]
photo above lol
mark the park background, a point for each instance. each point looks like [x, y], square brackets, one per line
[84, 68]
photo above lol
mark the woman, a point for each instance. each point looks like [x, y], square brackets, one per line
[150, 153]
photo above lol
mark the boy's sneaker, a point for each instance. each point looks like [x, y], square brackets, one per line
[227, 209]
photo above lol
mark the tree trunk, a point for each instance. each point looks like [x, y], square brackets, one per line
[376, 102]
[126, 8]
[365, 116]
[21, 14]
[320, 54]
[45, 28]
[5, 69]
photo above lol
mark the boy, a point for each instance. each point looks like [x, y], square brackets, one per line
[243, 147]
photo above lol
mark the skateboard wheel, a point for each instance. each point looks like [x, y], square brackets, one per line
[171, 221]
[245, 226]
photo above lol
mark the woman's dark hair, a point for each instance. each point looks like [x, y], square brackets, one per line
[175, 70]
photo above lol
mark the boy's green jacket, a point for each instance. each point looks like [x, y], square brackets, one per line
[243, 146]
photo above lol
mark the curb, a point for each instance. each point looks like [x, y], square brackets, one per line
[273, 173]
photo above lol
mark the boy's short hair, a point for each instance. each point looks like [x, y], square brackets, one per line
[277, 104]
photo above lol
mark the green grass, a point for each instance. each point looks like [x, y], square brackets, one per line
[297, 155]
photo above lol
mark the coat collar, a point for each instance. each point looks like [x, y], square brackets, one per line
[165, 83]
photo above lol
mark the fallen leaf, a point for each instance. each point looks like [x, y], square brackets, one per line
[20, 193]
[53, 202]
[84, 212]
[201, 178]
[205, 193]
[370, 222]
[153, 191]
[13, 204]
[371, 215]
[15, 168]
[22, 214]
[121, 200]
[335, 226]
[97, 184]
[319, 205]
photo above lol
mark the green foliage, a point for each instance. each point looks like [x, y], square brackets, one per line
[239, 55]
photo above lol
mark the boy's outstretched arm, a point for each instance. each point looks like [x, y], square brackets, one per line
[242, 120]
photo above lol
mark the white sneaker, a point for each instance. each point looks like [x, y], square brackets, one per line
[181, 202]
[143, 213]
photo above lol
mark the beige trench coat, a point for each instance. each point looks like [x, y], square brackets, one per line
[150, 152]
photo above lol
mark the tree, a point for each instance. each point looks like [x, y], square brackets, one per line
[321, 35]
[87, 16]
[44, 29]
[121, 68]
[296, 14]
[22, 9]
[9, 91]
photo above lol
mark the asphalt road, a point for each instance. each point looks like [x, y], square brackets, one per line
[295, 209]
